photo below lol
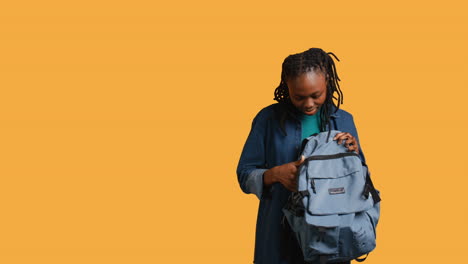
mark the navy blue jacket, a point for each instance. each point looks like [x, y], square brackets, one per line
[268, 146]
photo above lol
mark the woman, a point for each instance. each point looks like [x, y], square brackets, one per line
[270, 157]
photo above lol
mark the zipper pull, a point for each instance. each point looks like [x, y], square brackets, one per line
[312, 184]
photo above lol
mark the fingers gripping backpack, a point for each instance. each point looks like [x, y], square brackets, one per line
[334, 213]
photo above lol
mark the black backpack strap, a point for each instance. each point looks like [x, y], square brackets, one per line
[361, 260]
[323, 259]
[369, 187]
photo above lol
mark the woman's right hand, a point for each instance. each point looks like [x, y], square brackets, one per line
[286, 174]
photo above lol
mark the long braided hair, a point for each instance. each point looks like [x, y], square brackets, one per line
[296, 64]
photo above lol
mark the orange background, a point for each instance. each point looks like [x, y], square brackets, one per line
[121, 123]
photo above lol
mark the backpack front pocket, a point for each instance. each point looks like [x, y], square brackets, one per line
[336, 186]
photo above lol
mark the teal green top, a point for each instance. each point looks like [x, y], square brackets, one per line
[310, 124]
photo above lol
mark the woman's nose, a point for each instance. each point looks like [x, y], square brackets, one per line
[309, 102]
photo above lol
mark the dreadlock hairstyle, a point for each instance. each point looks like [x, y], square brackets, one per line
[296, 64]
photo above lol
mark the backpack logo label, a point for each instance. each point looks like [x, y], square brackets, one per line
[336, 190]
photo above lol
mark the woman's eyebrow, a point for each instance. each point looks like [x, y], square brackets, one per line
[312, 94]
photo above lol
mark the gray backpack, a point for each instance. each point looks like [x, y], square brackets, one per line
[334, 213]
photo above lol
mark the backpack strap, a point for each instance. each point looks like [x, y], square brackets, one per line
[369, 188]
[323, 259]
[361, 260]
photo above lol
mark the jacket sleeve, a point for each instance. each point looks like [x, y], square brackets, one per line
[252, 161]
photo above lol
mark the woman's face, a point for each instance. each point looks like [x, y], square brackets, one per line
[308, 91]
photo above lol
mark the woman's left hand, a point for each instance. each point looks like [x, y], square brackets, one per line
[351, 142]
